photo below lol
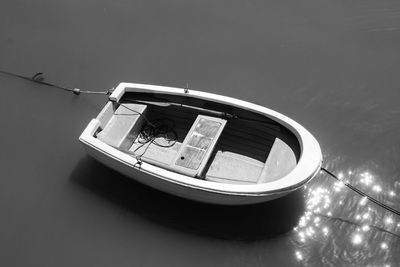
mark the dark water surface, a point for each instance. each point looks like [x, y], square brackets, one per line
[331, 65]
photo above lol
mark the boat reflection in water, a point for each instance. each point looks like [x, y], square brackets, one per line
[345, 228]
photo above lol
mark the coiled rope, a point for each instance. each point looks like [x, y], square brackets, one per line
[159, 128]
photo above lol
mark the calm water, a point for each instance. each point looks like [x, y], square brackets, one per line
[331, 65]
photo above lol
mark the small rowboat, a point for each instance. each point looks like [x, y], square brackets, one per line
[202, 146]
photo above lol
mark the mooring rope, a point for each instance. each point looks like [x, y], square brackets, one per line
[38, 78]
[358, 191]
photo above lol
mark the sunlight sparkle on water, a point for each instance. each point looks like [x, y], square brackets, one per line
[365, 228]
[318, 198]
[357, 239]
[299, 256]
[366, 178]
[389, 220]
[325, 230]
[338, 186]
[302, 221]
[327, 202]
[302, 235]
[377, 188]
[310, 231]
[363, 201]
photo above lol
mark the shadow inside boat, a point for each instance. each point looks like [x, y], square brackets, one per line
[249, 222]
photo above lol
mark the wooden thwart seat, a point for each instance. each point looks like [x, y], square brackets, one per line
[281, 160]
[229, 167]
[233, 168]
[123, 126]
[198, 145]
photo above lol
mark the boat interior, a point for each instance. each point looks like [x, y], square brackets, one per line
[201, 139]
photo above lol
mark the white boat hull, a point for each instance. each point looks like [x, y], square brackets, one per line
[196, 189]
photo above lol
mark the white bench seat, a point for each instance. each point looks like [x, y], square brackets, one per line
[229, 167]
[123, 126]
[233, 168]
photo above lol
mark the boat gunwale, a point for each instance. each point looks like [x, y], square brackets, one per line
[307, 167]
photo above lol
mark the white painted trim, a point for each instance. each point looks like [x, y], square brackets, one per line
[307, 167]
